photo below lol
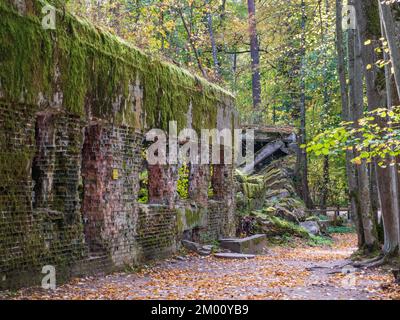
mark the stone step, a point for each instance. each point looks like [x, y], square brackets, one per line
[234, 256]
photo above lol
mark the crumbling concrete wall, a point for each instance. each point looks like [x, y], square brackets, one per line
[75, 104]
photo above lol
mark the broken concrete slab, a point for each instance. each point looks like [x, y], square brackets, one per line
[191, 246]
[265, 152]
[203, 250]
[250, 245]
[234, 256]
[207, 247]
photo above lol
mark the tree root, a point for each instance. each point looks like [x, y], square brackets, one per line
[371, 263]
[376, 264]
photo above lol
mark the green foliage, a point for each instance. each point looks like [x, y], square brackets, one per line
[337, 188]
[376, 136]
[183, 181]
[143, 196]
[210, 191]
[323, 218]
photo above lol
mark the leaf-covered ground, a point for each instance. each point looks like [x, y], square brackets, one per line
[299, 272]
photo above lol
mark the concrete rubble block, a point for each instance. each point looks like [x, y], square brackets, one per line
[250, 245]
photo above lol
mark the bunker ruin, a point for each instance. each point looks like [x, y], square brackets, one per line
[75, 104]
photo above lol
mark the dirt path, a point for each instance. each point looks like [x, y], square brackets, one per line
[283, 273]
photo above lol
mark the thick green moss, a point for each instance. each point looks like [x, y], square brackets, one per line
[93, 68]
[190, 218]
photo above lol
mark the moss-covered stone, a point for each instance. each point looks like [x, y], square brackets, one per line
[272, 188]
[275, 226]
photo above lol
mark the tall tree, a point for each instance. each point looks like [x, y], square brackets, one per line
[346, 116]
[255, 55]
[390, 33]
[302, 154]
[368, 19]
[212, 40]
[356, 108]
[325, 175]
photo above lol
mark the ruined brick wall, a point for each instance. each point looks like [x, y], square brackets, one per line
[74, 110]
[110, 169]
[40, 213]
[156, 232]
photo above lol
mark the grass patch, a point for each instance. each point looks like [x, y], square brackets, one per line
[340, 229]
[319, 241]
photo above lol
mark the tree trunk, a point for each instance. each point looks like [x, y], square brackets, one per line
[357, 109]
[390, 222]
[255, 55]
[302, 153]
[326, 177]
[386, 178]
[325, 183]
[213, 43]
[350, 168]
[390, 32]
[234, 70]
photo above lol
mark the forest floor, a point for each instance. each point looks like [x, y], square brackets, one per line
[284, 272]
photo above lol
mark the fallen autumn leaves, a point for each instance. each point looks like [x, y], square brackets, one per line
[300, 272]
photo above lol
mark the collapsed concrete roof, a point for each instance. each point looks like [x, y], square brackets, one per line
[270, 142]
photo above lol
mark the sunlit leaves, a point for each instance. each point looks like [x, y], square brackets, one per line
[367, 137]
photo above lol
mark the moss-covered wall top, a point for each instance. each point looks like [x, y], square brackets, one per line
[93, 73]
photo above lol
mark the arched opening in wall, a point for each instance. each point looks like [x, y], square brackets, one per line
[143, 194]
[36, 172]
[43, 161]
[81, 190]
[193, 235]
[182, 186]
[217, 176]
[92, 172]
[210, 191]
